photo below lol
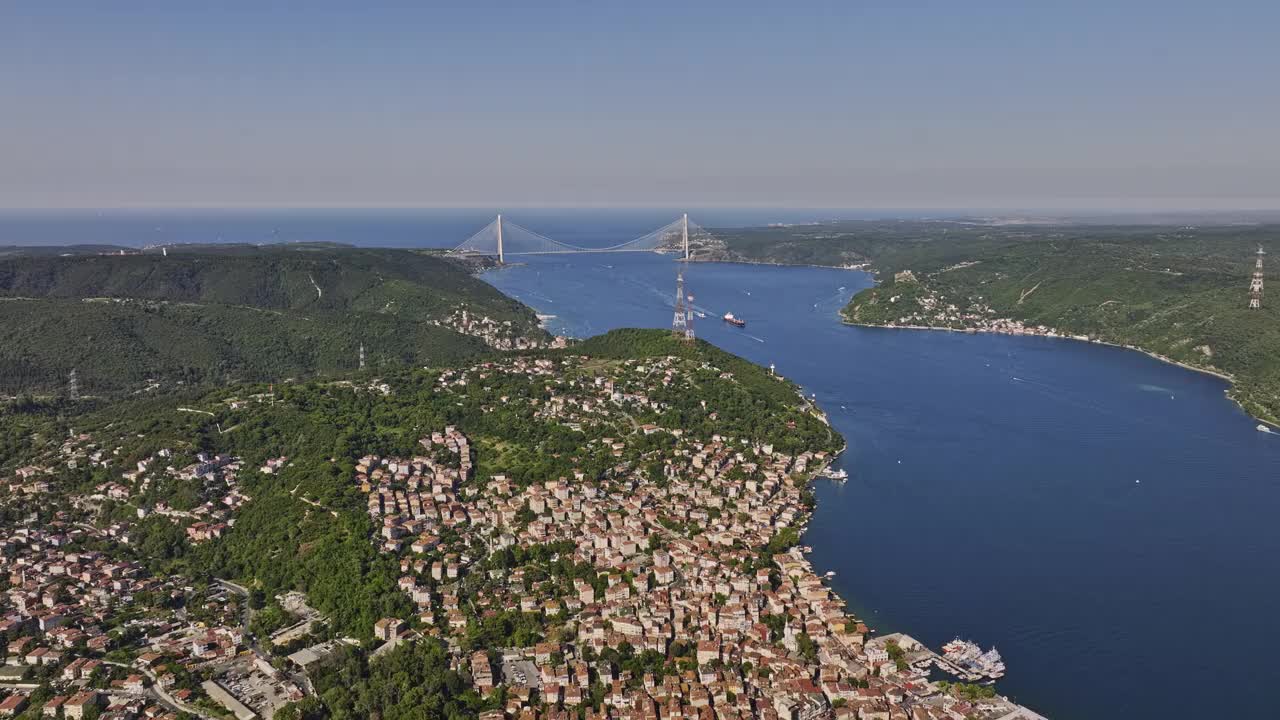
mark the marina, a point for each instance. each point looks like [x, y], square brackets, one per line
[832, 474]
[960, 659]
[969, 657]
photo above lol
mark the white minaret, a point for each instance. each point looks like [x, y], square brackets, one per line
[499, 237]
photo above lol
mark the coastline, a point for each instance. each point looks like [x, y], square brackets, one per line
[1220, 374]
[802, 525]
[862, 267]
[1223, 375]
[866, 267]
[849, 586]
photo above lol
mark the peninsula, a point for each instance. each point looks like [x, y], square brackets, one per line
[605, 531]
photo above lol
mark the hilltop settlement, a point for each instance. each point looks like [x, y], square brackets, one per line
[606, 531]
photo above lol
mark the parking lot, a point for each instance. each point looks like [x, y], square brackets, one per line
[520, 673]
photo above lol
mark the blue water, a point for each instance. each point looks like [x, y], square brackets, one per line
[995, 486]
[1105, 519]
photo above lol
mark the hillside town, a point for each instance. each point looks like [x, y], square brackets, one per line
[912, 304]
[667, 581]
[499, 335]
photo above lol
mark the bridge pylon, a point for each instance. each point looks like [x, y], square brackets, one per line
[493, 239]
[684, 233]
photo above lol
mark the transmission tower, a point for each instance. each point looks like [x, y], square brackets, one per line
[73, 385]
[682, 320]
[361, 356]
[1255, 284]
[688, 319]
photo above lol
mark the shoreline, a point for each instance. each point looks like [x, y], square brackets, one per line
[858, 613]
[864, 267]
[853, 609]
[1220, 374]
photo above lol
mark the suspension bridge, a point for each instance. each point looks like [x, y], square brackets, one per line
[501, 238]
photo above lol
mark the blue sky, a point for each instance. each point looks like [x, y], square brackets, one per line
[843, 104]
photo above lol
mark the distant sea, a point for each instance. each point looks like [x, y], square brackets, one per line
[408, 228]
[438, 228]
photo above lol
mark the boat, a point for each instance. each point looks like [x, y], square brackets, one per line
[1263, 428]
[840, 475]
[699, 313]
[734, 321]
[969, 657]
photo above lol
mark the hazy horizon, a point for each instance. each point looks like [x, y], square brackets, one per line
[997, 105]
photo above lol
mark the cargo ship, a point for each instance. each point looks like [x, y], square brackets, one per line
[734, 321]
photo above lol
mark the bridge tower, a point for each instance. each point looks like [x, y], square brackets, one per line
[682, 320]
[499, 238]
[1255, 284]
[684, 233]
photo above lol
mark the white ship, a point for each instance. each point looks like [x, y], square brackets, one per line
[968, 656]
[840, 475]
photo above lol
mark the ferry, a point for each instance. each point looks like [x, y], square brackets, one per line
[734, 321]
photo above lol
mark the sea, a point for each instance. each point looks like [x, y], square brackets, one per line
[1106, 520]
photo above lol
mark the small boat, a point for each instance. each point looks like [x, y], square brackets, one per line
[1263, 428]
[699, 313]
[734, 321]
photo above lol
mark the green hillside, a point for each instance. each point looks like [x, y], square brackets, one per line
[216, 315]
[290, 277]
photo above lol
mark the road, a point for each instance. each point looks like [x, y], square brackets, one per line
[161, 694]
[248, 610]
[299, 678]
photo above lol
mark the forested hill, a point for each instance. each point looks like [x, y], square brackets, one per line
[219, 314]
[290, 277]
[294, 481]
[1180, 292]
[325, 426]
